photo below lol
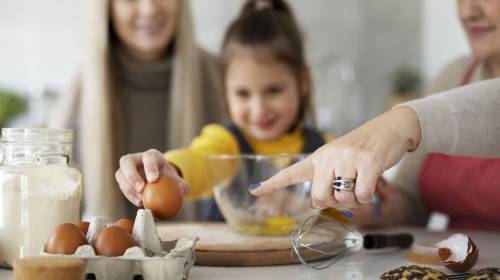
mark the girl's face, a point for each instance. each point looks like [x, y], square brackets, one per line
[263, 96]
[145, 27]
[481, 22]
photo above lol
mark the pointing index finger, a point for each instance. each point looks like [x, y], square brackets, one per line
[299, 172]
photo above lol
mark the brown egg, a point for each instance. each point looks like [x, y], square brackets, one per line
[65, 239]
[458, 252]
[113, 241]
[84, 226]
[163, 198]
[125, 224]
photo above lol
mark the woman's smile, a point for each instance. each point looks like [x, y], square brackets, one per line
[150, 28]
[478, 31]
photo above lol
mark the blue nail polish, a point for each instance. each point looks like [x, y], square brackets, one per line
[253, 187]
[375, 212]
[348, 214]
[374, 200]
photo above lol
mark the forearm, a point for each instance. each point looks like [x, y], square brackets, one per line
[462, 121]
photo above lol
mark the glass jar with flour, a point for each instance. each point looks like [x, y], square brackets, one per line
[40, 188]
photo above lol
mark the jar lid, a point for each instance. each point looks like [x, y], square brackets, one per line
[37, 135]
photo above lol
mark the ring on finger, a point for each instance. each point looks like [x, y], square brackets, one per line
[340, 184]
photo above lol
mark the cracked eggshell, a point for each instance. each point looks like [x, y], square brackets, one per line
[458, 252]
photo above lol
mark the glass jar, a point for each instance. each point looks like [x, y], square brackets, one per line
[40, 188]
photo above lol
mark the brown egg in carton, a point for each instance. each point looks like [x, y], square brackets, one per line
[151, 258]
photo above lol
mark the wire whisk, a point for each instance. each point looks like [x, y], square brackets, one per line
[321, 238]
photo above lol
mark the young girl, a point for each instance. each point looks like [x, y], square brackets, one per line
[267, 87]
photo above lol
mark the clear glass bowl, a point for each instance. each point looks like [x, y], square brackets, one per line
[274, 214]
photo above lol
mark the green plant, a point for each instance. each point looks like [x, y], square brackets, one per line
[10, 105]
[405, 80]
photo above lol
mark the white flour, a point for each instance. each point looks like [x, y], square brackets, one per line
[32, 204]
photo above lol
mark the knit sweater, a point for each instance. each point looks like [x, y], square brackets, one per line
[448, 128]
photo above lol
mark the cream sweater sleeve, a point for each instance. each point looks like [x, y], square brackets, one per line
[463, 121]
[411, 206]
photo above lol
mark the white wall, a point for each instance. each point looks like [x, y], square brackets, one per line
[40, 45]
[39, 42]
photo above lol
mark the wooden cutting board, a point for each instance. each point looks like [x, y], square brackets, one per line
[218, 245]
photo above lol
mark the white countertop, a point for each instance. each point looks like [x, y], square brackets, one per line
[365, 264]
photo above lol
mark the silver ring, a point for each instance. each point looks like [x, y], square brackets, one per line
[344, 185]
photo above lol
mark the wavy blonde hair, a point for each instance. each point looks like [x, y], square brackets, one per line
[100, 123]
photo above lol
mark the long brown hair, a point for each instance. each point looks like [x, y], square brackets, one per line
[269, 28]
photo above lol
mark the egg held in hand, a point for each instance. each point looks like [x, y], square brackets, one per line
[458, 252]
[163, 198]
[113, 241]
[65, 239]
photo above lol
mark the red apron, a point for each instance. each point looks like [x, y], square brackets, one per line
[465, 188]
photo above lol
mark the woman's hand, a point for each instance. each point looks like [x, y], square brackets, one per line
[363, 154]
[137, 169]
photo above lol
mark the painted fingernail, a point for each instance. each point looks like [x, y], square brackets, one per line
[253, 187]
[375, 212]
[374, 200]
[348, 214]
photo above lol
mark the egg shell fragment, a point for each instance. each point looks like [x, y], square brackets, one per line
[458, 252]
[168, 260]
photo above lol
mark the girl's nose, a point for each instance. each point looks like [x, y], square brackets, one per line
[469, 9]
[259, 106]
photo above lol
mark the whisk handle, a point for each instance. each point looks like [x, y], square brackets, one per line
[377, 241]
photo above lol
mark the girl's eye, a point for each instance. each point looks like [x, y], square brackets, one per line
[242, 93]
[274, 90]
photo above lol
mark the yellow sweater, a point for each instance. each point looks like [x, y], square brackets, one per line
[216, 139]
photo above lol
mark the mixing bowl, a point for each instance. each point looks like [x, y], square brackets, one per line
[276, 213]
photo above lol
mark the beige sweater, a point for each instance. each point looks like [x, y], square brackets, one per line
[461, 121]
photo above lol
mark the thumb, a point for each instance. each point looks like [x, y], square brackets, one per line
[299, 172]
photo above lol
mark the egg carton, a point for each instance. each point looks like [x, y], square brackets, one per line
[151, 258]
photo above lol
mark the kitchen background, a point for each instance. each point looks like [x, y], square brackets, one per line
[355, 47]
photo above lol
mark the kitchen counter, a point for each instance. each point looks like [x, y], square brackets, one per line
[365, 264]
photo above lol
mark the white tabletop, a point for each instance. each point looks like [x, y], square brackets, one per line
[365, 264]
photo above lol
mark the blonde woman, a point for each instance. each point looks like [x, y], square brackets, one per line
[144, 83]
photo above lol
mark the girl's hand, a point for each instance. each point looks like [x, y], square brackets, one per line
[363, 154]
[381, 210]
[137, 169]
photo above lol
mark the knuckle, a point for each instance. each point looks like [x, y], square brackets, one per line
[124, 159]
